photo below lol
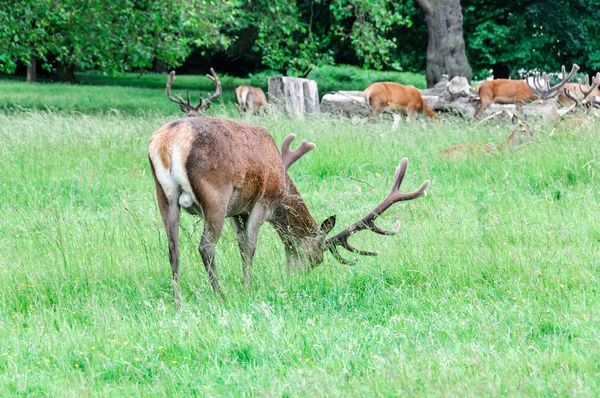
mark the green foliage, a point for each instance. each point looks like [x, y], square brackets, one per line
[369, 35]
[107, 35]
[345, 77]
[489, 289]
[295, 37]
[532, 34]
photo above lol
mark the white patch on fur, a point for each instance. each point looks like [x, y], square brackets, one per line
[185, 200]
[241, 93]
[174, 182]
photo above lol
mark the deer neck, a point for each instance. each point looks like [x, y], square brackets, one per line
[292, 220]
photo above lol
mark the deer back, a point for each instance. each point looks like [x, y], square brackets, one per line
[249, 95]
[208, 157]
[394, 95]
[505, 91]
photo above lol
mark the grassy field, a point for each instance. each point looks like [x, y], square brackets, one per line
[137, 94]
[490, 288]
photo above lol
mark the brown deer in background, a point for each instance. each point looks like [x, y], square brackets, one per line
[584, 96]
[250, 99]
[471, 149]
[219, 169]
[390, 96]
[506, 91]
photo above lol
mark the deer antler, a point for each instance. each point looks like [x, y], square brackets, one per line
[582, 100]
[368, 221]
[289, 157]
[541, 83]
[204, 104]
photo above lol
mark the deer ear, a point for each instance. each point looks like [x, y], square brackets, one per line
[515, 119]
[327, 225]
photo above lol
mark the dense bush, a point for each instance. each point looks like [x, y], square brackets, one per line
[346, 77]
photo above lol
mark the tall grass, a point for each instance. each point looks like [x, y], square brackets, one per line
[490, 288]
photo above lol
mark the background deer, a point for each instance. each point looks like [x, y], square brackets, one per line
[506, 91]
[250, 99]
[583, 94]
[395, 97]
[219, 169]
[461, 151]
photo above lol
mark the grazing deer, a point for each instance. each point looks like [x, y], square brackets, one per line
[472, 149]
[219, 169]
[250, 98]
[506, 91]
[395, 97]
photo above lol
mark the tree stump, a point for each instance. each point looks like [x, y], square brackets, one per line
[347, 103]
[294, 95]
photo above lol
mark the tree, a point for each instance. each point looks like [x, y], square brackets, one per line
[106, 35]
[527, 34]
[309, 33]
[446, 46]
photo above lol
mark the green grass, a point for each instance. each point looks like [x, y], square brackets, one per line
[137, 94]
[490, 288]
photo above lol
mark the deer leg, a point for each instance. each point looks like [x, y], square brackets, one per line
[375, 112]
[169, 211]
[246, 231]
[172, 227]
[213, 225]
[411, 112]
[484, 103]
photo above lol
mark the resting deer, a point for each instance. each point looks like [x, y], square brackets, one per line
[584, 96]
[219, 169]
[506, 91]
[250, 98]
[390, 96]
[471, 149]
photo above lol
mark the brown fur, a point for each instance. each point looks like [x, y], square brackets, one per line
[575, 90]
[250, 98]
[234, 171]
[502, 91]
[395, 97]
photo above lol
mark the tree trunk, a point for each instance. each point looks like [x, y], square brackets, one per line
[31, 69]
[446, 47]
[65, 73]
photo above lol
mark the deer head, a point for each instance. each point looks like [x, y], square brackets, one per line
[310, 245]
[204, 104]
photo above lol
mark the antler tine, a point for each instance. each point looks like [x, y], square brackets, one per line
[572, 96]
[288, 156]
[204, 103]
[170, 81]
[336, 254]
[534, 85]
[590, 88]
[218, 90]
[368, 221]
[565, 80]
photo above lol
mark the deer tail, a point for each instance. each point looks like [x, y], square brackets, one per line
[429, 112]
